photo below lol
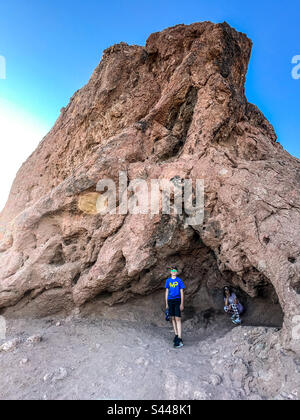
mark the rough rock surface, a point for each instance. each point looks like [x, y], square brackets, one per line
[173, 109]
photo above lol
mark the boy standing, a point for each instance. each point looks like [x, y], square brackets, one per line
[175, 303]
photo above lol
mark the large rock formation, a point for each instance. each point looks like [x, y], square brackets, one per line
[174, 109]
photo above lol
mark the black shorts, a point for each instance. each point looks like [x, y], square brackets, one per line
[174, 307]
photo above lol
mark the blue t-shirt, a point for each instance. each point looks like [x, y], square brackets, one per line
[174, 286]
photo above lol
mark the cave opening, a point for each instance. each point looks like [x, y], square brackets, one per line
[263, 309]
[204, 301]
[204, 288]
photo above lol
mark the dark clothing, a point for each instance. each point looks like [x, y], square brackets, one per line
[174, 307]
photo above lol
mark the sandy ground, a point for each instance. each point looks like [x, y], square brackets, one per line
[96, 358]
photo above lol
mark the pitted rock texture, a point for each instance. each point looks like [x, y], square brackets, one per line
[173, 109]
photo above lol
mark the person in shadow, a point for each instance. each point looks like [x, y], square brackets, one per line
[232, 305]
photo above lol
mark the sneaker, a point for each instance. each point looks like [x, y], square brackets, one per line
[175, 339]
[237, 321]
[179, 343]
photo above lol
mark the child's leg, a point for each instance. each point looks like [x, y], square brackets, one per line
[178, 324]
[174, 325]
[236, 314]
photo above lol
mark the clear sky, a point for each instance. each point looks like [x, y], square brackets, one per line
[51, 47]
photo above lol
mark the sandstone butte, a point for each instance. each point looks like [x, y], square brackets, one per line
[172, 109]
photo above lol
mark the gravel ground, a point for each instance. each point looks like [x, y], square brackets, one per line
[95, 358]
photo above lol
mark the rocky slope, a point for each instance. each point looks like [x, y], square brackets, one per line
[173, 109]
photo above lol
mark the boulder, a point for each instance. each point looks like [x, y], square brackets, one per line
[172, 110]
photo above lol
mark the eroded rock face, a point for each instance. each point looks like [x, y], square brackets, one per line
[174, 109]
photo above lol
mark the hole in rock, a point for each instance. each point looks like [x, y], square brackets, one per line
[197, 265]
[58, 257]
[296, 287]
[76, 278]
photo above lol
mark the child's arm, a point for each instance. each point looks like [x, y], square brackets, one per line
[167, 295]
[182, 299]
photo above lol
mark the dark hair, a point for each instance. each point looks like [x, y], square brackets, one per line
[173, 267]
[227, 287]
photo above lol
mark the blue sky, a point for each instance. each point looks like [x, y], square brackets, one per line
[51, 48]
